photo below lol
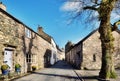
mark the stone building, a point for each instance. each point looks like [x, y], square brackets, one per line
[86, 54]
[20, 44]
[53, 56]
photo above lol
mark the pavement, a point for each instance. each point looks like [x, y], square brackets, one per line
[92, 75]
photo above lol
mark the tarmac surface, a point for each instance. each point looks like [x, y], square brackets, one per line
[92, 75]
[63, 71]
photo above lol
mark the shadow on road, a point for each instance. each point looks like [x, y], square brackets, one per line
[90, 77]
[59, 65]
[57, 75]
[62, 65]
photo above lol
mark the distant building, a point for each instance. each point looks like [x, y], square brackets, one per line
[86, 54]
[60, 54]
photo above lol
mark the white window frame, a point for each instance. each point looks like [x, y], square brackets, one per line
[31, 58]
[27, 33]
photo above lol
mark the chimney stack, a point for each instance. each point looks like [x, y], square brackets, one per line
[40, 29]
[2, 6]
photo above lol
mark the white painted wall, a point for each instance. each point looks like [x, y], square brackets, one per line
[54, 52]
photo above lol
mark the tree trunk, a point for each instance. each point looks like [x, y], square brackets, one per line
[107, 69]
[107, 45]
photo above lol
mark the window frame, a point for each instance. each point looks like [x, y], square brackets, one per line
[31, 58]
[28, 32]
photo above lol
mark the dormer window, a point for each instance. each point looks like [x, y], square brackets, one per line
[27, 33]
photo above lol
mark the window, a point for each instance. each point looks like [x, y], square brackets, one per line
[48, 59]
[27, 33]
[94, 58]
[31, 58]
[78, 53]
[54, 56]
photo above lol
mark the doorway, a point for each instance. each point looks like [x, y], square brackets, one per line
[8, 58]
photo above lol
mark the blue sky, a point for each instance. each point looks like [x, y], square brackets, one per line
[49, 15]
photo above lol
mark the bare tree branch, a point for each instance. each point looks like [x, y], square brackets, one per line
[95, 1]
[115, 25]
[90, 8]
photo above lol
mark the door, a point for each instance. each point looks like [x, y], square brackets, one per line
[8, 58]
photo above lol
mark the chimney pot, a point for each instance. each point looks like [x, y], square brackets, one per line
[2, 6]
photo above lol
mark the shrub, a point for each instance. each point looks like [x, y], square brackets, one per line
[4, 67]
[17, 65]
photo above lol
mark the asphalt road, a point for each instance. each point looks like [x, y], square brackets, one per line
[61, 71]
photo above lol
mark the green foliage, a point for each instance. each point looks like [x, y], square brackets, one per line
[17, 66]
[113, 75]
[4, 67]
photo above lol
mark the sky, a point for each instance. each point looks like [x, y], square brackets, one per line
[49, 14]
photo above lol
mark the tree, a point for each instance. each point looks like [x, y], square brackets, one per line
[104, 8]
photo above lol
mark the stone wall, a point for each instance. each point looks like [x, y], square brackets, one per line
[92, 52]
[87, 53]
[13, 37]
[54, 54]
[9, 36]
[74, 56]
[117, 49]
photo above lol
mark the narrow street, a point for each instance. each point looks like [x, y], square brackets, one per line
[61, 71]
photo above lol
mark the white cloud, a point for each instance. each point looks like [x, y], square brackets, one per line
[71, 6]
